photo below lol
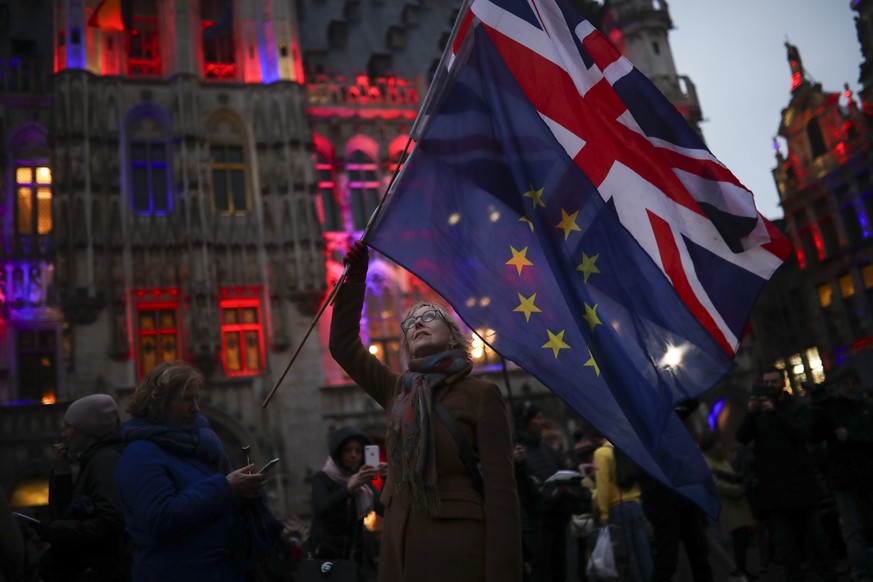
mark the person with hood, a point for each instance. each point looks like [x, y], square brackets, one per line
[86, 530]
[342, 496]
[439, 523]
[190, 516]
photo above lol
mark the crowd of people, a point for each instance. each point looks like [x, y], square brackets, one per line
[467, 492]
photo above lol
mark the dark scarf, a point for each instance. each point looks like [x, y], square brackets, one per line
[195, 440]
[410, 441]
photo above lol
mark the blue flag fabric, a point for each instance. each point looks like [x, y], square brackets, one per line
[497, 218]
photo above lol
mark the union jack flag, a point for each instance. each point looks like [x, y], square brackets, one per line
[576, 222]
[677, 200]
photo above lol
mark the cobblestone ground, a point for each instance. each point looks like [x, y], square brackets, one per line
[722, 564]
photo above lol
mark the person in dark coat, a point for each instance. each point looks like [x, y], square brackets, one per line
[845, 422]
[439, 525]
[190, 516]
[675, 519]
[11, 543]
[342, 496]
[779, 428]
[86, 531]
[544, 529]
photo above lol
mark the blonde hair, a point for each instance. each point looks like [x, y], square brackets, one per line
[458, 338]
[164, 382]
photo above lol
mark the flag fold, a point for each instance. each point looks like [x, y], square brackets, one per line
[613, 258]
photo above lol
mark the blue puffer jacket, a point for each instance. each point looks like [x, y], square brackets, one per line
[181, 515]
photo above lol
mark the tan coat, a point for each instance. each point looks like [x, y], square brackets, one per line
[735, 510]
[469, 539]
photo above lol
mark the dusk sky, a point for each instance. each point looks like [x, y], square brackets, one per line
[735, 55]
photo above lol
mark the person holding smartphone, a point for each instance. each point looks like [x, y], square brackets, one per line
[190, 516]
[86, 529]
[342, 496]
[439, 523]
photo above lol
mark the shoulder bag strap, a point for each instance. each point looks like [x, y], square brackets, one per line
[468, 456]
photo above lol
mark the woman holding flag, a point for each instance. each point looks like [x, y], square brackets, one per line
[444, 518]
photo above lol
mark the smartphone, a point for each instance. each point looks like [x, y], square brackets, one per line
[371, 455]
[760, 391]
[268, 466]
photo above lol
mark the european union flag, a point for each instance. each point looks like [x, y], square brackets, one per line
[495, 216]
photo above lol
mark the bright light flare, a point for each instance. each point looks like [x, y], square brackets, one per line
[673, 357]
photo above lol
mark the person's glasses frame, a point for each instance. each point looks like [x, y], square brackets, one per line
[425, 317]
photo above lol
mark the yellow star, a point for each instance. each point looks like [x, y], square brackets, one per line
[527, 220]
[556, 342]
[592, 364]
[591, 316]
[527, 306]
[588, 265]
[519, 259]
[568, 223]
[536, 196]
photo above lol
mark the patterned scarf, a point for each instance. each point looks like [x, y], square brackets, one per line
[195, 440]
[339, 474]
[410, 441]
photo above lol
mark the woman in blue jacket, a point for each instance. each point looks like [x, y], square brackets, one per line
[187, 513]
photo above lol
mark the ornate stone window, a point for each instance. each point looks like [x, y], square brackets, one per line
[157, 333]
[363, 185]
[242, 336]
[33, 198]
[325, 170]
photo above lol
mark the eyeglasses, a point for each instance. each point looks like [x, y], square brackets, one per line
[426, 317]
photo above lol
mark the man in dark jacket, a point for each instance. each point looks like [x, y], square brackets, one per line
[86, 531]
[779, 428]
[845, 422]
[544, 529]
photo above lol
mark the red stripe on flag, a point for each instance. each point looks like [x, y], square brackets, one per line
[707, 169]
[600, 49]
[462, 31]
[778, 245]
[672, 263]
[593, 118]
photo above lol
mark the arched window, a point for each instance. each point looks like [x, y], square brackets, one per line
[149, 162]
[230, 180]
[382, 314]
[816, 139]
[33, 198]
[31, 182]
[216, 20]
[144, 48]
[363, 184]
[325, 170]
[242, 334]
[396, 152]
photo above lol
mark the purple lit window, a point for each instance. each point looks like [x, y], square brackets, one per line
[382, 323]
[363, 187]
[328, 211]
[150, 178]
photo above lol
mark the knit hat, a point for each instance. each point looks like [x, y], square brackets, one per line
[94, 416]
[524, 412]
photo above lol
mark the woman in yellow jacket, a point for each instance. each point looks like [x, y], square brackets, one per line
[620, 504]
